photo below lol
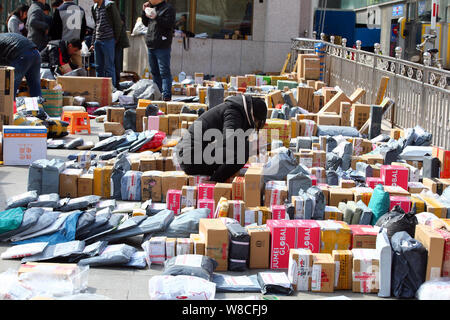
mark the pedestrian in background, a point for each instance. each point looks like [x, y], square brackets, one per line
[107, 33]
[69, 22]
[159, 17]
[16, 21]
[37, 24]
[48, 15]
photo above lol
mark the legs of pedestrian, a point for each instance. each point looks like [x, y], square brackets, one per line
[154, 68]
[118, 64]
[33, 75]
[104, 59]
[99, 59]
[166, 74]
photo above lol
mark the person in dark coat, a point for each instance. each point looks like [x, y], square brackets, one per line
[37, 24]
[57, 55]
[217, 144]
[22, 54]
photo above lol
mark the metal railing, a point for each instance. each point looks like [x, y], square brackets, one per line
[420, 92]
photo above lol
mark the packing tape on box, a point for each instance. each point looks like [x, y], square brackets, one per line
[237, 209]
[368, 277]
[304, 273]
[274, 197]
[316, 277]
[309, 128]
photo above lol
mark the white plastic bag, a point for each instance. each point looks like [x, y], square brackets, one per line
[181, 288]
[139, 28]
[438, 289]
[24, 250]
[11, 288]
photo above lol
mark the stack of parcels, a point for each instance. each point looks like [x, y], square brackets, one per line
[279, 130]
[276, 193]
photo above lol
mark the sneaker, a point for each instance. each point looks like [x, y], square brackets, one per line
[167, 99]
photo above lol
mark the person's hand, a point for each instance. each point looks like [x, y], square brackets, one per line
[46, 32]
[91, 48]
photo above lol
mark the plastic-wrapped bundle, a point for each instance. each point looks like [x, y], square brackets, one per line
[21, 200]
[24, 250]
[144, 89]
[180, 287]
[319, 203]
[366, 215]
[122, 165]
[129, 119]
[46, 201]
[357, 212]
[337, 130]
[226, 283]
[409, 265]
[88, 251]
[80, 203]
[131, 186]
[113, 255]
[183, 225]
[108, 155]
[332, 178]
[278, 167]
[30, 218]
[239, 247]
[190, 265]
[59, 250]
[437, 289]
[46, 219]
[275, 282]
[86, 219]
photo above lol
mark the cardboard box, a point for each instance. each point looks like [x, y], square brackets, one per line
[434, 206]
[206, 191]
[403, 202]
[305, 158]
[91, 88]
[173, 200]
[185, 246]
[147, 163]
[345, 112]
[395, 176]
[258, 215]
[196, 180]
[253, 187]
[22, 145]
[300, 64]
[199, 244]
[259, 254]
[68, 183]
[363, 237]
[435, 185]
[6, 96]
[334, 235]
[222, 190]
[366, 266]
[115, 128]
[238, 186]
[420, 204]
[434, 243]
[328, 120]
[209, 204]
[347, 184]
[171, 248]
[189, 196]
[276, 192]
[372, 182]
[444, 232]
[157, 250]
[151, 186]
[308, 128]
[318, 102]
[343, 260]
[443, 156]
[305, 98]
[85, 185]
[164, 123]
[300, 267]
[278, 212]
[173, 180]
[323, 272]
[338, 195]
[115, 114]
[283, 238]
[215, 234]
[308, 235]
[236, 210]
[360, 113]
[311, 69]
[333, 213]
[396, 191]
[329, 93]
[363, 193]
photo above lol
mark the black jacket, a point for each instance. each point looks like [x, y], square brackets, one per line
[228, 115]
[160, 30]
[55, 55]
[12, 45]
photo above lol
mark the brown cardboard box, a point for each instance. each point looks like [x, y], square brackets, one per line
[305, 97]
[171, 248]
[164, 123]
[295, 128]
[174, 107]
[151, 186]
[236, 210]
[115, 128]
[199, 243]
[300, 266]
[333, 101]
[359, 115]
[319, 85]
[366, 266]
[258, 215]
[300, 62]
[85, 185]
[107, 172]
[347, 184]
[222, 190]
[319, 159]
[140, 114]
[251, 79]
[276, 97]
[68, 183]
[330, 119]
[305, 157]
[259, 247]
[434, 243]
[173, 180]
[345, 113]
[215, 234]
[333, 213]
[191, 91]
[168, 164]
[328, 93]
[173, 122]
[308, 128]
[343, 260]
[356, 159]
[238, 187]
[92, 88]
[135, 164]
[148, 163]
[323, 271]
[115, 115]
[363, 237]
[373, 158]
[189, 195]
[326, 192]
[185, 246]
[160, 163]
[318, 102]
[98, 182]
[338, 195]
[435, 185]
[278, 193]
[311, 69]
[376, 170]
[253, 187]
[396, 191]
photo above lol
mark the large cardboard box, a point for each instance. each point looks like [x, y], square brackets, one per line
[164, 123]
[171, 247]
[148, 163]
[151, 186]
[328, 119]
[253, 187]
[283, 238]
[215, 234]
[323, 273]
[395, 176]
[338, 195]
[334, 235]
[222, 190]
[199, 243]
[360, 113]
[22, 145]
[343, 260]
[85, 185]
[300, 267]
[366, 271]
[300, 64]
[173, 180]
[311, 69]
[6, 96]
[92, 88]
[189, 196]
[308, 235]
[68, 183]
[445, 233]
[363, 236]
[434, 243]
[259, 247]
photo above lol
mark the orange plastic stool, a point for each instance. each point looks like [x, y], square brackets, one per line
[78, 121]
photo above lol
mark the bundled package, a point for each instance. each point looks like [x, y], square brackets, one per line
[192, 265]
[155, 248]
[226, 283]
[131, 186]
[366, 271]
[300, 267]
[183, 287]
[275, 282]
[238, 254]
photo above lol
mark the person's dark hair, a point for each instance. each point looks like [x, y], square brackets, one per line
[57, 3]
[76, 43]
[18, 11]
[47, 7]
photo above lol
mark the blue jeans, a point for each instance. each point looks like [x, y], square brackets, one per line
[28, 65]
[104, 59]
[159, 60]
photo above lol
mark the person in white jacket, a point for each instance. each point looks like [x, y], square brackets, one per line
[16, 21]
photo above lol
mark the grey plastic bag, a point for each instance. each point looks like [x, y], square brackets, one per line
[59, 250]
[46, 201]
[298, 179]
[190, 265]
[227, 283]
[319, 202]
[366, 215]
[30, 218]
[46, 219]
[278, 167]
[21, 200]
[183, 225]
[113, 255]
[122, 165]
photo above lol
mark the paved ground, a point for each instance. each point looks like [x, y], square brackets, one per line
[122, 283]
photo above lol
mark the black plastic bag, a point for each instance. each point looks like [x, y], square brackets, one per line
[409, 265]
[190, 265]
[319, 201]
[239, 247]
[275, 282]
[129, 120]
[397, 220]
[72, 145]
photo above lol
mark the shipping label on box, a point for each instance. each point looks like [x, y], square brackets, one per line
[188, 196]
[323, 271]
[300, 267]
[366, 271]
[22, 145]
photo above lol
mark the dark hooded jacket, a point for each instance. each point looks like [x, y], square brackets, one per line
[229, 115]
[55, 55]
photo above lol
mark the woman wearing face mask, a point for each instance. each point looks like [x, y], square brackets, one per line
[16, 21]
[217, 144]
